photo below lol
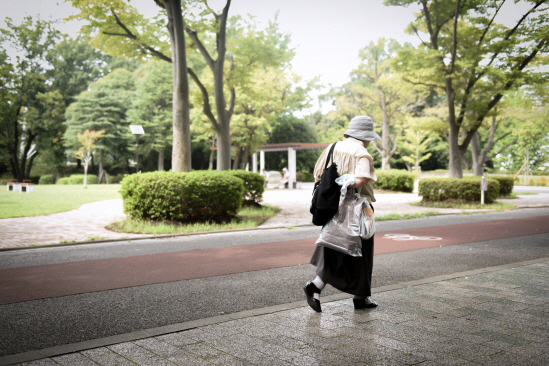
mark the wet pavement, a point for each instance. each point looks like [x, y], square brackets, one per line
[490, 316]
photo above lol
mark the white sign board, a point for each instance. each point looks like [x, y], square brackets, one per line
[484, 184]
[137, 130]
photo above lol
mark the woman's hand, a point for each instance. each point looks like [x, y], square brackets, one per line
[359, 182]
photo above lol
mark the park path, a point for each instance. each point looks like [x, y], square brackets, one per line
[82, 224]
[88, 222]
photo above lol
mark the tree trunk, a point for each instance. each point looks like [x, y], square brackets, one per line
[161, 160]
[224, 150]
[181, 153]
[100, 170]
[455, 168]
[236, 158]
[478, 161]
[86, 172]
[29, 165]
[210, 165]
[386, 130]
[245, 158]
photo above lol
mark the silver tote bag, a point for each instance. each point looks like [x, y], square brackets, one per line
[342, 232]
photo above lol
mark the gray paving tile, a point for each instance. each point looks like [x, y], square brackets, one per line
[472, 311]
[481, 289]
[43, 362]
[74, 359]
[185, 359]
[176, 339]
[229, 360]
[162, 349]
[503, 338]
[106, 357]
[537, 313]
[138, 355]
[201, 350]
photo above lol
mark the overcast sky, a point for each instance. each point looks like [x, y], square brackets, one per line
[326, 34]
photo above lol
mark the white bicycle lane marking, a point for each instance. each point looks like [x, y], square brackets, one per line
[403, 237]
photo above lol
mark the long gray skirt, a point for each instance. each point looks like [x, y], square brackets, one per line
[344, 272]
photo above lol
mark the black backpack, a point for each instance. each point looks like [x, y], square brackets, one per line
[326, 193]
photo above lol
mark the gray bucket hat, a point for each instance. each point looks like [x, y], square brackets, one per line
[362, 128]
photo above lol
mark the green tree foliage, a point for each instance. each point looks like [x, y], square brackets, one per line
[121, 31]
[85, 152]
[415, 147]
[104, 107]
[30, 107]
[152, 107]
[473, 60]
[378, 91]
[526, 130]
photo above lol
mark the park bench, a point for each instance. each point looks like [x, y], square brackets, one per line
[15, 186]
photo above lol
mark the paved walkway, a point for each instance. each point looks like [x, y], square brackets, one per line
[88, 222]
[493, 316]
[82, 224]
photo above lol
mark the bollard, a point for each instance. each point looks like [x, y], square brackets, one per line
[483, 187]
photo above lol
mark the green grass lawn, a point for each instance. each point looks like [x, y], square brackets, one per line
[498, 206]
[49, 199]
[248, 217]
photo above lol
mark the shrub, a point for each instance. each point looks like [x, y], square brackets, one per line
[395, 180]
[187, 197]
[63, 181]
[115, 179]
[541, 173]
[79, 179]
[304, 177]
[254, 185]
[445, 189]
[46, 179]
[506, 185]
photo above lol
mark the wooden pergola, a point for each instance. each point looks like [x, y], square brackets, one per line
[291, 147]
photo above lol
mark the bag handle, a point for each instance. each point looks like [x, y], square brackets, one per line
[330, 156]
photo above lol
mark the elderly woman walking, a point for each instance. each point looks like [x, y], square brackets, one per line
[344, 272]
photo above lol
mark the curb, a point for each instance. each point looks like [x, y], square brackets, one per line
[150, 237]
[211, 232]
[154, 332]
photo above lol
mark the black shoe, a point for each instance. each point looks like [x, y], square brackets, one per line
[361, 304]
[310, 289]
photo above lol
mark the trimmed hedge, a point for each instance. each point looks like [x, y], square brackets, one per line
[395, 180]
[187, 197]
[304, 177]
[254, 185]
[506, 185]
[63, 181]
[79, 179]
[446, 189]
[115, 179]
[46, 179]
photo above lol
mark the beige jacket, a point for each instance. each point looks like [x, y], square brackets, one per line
[351, 157]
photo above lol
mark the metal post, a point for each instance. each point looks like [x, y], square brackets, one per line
[483, 187]
[137, 153]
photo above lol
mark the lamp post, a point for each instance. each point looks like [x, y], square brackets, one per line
[137, 130]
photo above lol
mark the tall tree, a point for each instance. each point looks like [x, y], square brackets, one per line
[122, 31]
[104, 107]
[152, 107]
[377, 91]
[29, 105]
[473, 60]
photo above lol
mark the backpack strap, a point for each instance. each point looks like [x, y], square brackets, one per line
[330, 156]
